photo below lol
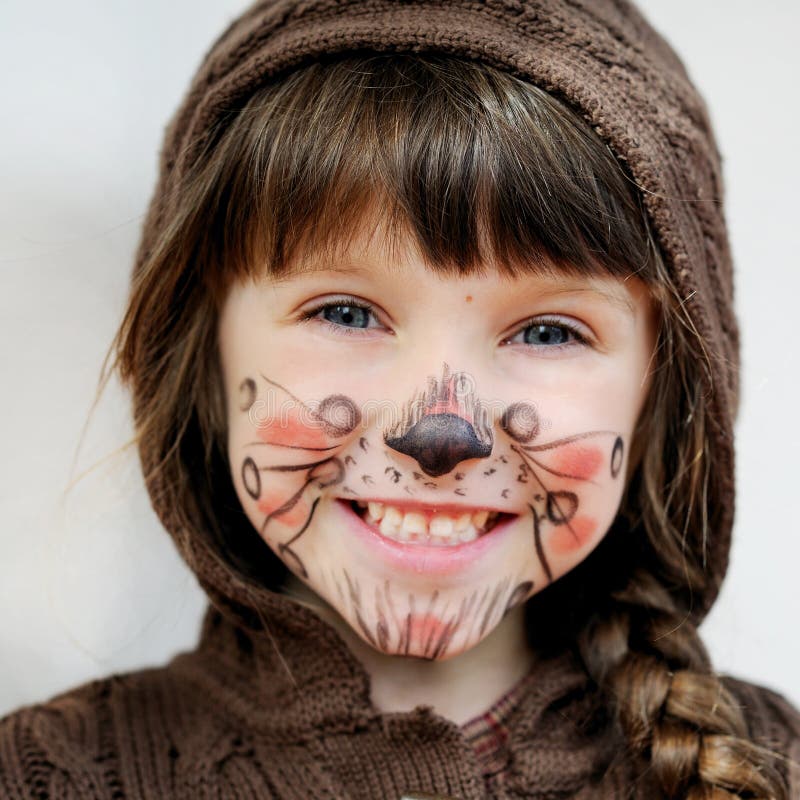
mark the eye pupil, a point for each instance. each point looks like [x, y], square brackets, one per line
[546, 334]
[347, 315]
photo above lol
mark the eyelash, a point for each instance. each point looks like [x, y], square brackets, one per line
[308, 316]
[342, 330]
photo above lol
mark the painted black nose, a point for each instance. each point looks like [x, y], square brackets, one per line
[440, 441]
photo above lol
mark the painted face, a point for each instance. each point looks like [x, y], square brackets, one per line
[427, 452]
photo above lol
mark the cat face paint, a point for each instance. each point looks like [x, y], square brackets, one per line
[425, 477]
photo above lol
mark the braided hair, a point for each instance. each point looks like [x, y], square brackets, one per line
[517, 178]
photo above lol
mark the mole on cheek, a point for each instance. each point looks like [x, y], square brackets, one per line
[291, 431]
[468, 298]
[578, 461]
[567, 539]
[273, 499]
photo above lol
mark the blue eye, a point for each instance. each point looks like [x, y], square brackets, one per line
[547, 334]
[340, 314]
[348, 316]
[550, 333]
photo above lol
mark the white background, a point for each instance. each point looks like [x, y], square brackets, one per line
[89, 583]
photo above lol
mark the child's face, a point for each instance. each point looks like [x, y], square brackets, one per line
[456, 395]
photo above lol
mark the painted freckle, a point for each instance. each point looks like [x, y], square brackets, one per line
[578, 461]
[520, 421]
[616, 456]
[339, 414]
[394, 475]
[565, 539]
[247, 394]
[251, 478]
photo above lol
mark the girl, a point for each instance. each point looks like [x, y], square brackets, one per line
[434, 370]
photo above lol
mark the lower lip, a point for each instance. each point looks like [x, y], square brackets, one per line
[420, 558]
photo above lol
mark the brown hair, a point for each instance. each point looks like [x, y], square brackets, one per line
[479, 168]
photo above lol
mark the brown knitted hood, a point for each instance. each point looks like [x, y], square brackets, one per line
[599, 57]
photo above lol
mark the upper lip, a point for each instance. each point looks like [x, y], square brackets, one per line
[411, 505]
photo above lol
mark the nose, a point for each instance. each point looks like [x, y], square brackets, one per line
[439, 442]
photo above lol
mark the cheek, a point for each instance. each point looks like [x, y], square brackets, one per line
[272, 498]
[567, 545]
[284, 454]
[568, 540]
[263, 493]
[291, 431]
[578, 460]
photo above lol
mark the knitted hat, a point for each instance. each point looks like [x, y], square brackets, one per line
[603, 60]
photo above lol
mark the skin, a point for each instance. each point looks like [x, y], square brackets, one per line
[436, 396]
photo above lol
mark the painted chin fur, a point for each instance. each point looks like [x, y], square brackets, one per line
[430, 624]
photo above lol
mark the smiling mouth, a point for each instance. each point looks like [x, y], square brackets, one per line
[427, 525]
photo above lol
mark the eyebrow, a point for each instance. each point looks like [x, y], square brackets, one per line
[624, 303]
[295, 271]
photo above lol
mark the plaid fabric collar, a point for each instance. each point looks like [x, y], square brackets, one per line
[488, 732]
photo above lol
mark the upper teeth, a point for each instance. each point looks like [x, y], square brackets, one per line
[413, 525]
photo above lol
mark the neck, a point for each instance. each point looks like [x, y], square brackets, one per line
[459, 688]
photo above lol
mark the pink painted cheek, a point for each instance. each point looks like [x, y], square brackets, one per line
[275, 498]
[563, 541]
[292, 432]
[578, 461]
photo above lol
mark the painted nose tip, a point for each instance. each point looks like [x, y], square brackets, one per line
[439, 442]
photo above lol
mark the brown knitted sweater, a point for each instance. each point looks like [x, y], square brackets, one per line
[272, 703]
[232, 720]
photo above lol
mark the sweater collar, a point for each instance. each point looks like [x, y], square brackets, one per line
[294, 680]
